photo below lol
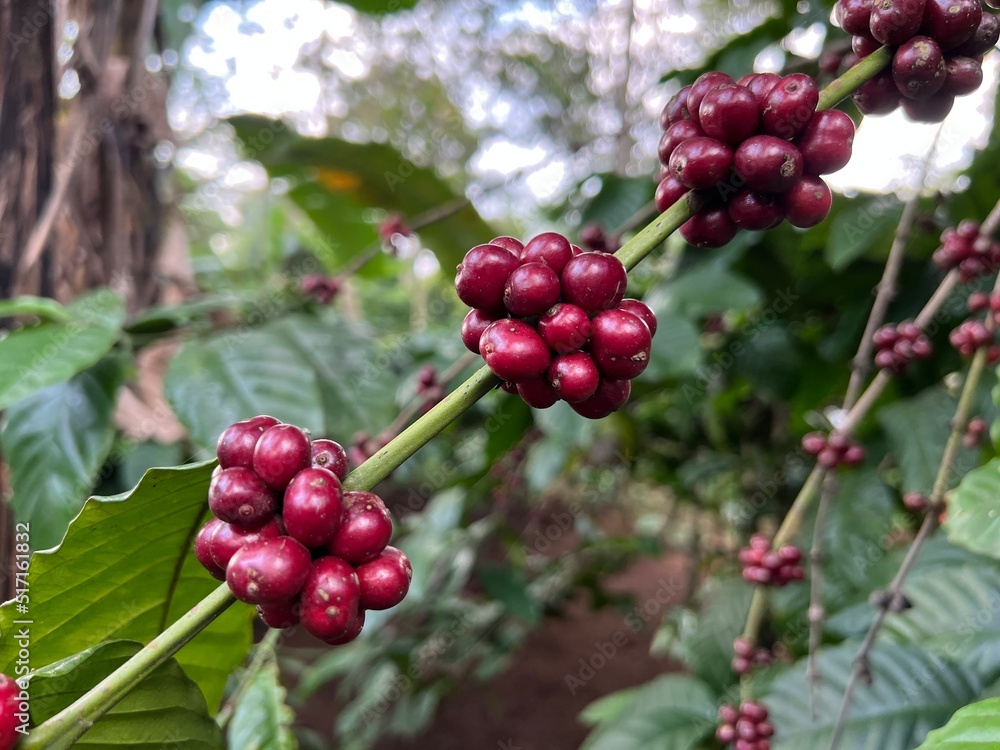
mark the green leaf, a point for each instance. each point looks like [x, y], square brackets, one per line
[55, 442]
[262, 720]
[508, 587]
[34, 357]
[608, 708]
[676, 350]
[975, 727]
[164, 709]
[336, 180]
[701, 290]
[41, 307]
[973, 519]
[864, 224]
[673, 712]
[618, 200]
[911, 693]
[917, 429]
[378, 7]
[126, 569]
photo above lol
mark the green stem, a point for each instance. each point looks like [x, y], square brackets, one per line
[67, 726]
[70, 724]
[263, 653]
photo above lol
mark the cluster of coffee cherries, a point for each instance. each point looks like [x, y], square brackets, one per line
[834, 450]
[939, 47]
[746, 656]
[287, 538]
[746, 727]
[755, 149]
[766, 566]
[553, 323]
[972, 335]
[898, 345]
[320, 287]
[964, 247]
[974, 431]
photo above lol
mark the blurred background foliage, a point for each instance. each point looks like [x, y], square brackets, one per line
[302, 126]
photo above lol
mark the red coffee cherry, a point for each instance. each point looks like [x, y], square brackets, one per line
[761, 85]
[9, 709]
[313, 507]
[532, 289]
[893, 22]
[854, 16]
[365, 530]
[269, 571]
[864, 45]
[236, 443]
[755, 211]
[549, 248]
[983, 39]
[514, 351]
[329, 454]
[385, 580]
[281, 615]
[203, 552]
[508, 243]
[675, 109]
[610, 396]
[620, 344]
[668, 192]
[808, 202]
[675, 135]
[226, 539]
[878, 95]
[482, 276]
[474, 325]
[709, 227]
[700, 163]
[963, 75]
[703, 84]
[729, 113]
[826, 142]
[538, 393]
[329, 599]
[574, 377]
[594, 282]
[768, 164]
[281, 453]
[238, 496]
[640, 310]
[930, 110]
[918, 68]
[565, 328]
[352, 632]
[951, 22]
[790, 105]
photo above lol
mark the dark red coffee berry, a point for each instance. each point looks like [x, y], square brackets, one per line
[620, 344]
[508, 243]
[755, 211]
[878, 95]
[514, 351]
[963, 75]
[895, 21]
[610, 396]
[365, 530]
[352, 632]
[574, 377]
[236, 444]
[864, 45]
[329, 598]
[790, 105]
[668, 192]
[854, 16]
[916, 502]
[703, 84]
[675, 135]
[281, 453]
[700, 163]
[826, 142]
[983, 40]
[813, 443]
[281, 615]
[918, 68]
[675, 109]
[709, 227]
[768, 164]
[482, 276]
[761, 85]
[227, 538]
[203, 551]
[594, 282]
[951, 22]
[930, 110]
[313, 507]
[475, 323]
[11, 712]
[532, 289]
[729, 113]
[537, 393]
[385, 580]
[329, 454]
[641, 311]
[238, 496]
[808, 202]
[549, 248]
[565, 328]
[268, 571]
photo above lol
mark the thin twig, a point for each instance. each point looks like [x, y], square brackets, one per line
[263, 652]
[143, 35]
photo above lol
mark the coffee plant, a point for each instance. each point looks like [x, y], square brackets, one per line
[841, 446]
